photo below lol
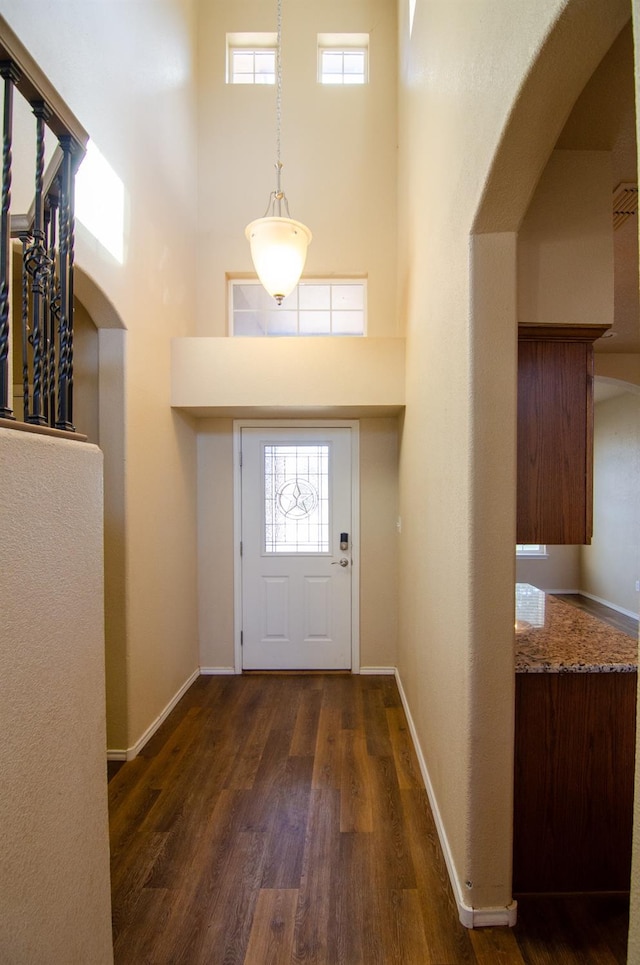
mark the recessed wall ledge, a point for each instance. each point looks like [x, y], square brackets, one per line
[319, 376]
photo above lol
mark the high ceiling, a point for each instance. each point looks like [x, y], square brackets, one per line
[603, 119]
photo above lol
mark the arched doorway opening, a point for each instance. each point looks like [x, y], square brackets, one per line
[539, 112]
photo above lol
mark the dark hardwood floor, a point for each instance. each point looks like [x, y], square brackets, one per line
[607, 614]
[283, 819]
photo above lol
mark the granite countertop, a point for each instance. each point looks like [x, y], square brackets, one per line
[556, 637]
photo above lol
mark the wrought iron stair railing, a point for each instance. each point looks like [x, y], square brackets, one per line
[46, 232]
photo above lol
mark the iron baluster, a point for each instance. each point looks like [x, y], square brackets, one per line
[26, 335]
[38, 267]
[11, 75]
[45, 318]
[53, 310]
[71, 306]
[65, 369]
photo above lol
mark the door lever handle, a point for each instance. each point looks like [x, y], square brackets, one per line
[342, 562]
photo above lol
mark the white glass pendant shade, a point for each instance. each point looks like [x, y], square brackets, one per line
[278, 250]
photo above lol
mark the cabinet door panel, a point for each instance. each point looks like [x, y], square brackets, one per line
[555, 433]
[553, 404]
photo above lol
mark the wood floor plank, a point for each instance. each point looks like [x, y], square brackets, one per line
[215, 895]
[393, 853]
[225, 926]
[375, 719]
[322, 839]
[406, 942]
[303, 741]
[356, 813]
[328, 750]
[129, 884]
[271, 936]
[132, 947]
[403, 750]
[496, 946]
[448, 940]
[286, 839]
[350, 871]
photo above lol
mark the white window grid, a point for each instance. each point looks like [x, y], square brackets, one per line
[251, 58]
[346, 66]
[343, 58]
[316, 307]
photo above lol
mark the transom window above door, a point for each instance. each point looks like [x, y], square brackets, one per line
[314, 307]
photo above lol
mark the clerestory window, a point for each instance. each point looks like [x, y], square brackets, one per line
[251, 58]
[343, 59]
[315, 307]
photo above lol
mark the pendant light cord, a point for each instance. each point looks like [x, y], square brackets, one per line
[278, 197]
[278, 82]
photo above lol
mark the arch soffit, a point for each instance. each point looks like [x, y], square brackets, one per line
[575, 44]
[100, 308]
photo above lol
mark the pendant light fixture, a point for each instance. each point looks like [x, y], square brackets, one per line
[278, 243]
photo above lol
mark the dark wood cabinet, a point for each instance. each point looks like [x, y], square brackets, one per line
[555, 433]
[574, 767]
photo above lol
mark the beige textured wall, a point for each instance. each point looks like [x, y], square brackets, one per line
[215, 543]
[378, 563]
[379, 540]
[112, 435]
[339, 151]
[54, 868]
[86, 374]
[610, 566]
[127, 71]
[565, 244]
[622, 368]
[473, 141]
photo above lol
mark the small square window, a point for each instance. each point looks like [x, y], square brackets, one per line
[251, 58]
[252, 66]
[343, 59]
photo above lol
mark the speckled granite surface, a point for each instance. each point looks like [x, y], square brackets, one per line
[555, 637]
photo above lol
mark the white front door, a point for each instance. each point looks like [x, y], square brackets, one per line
[296, 579]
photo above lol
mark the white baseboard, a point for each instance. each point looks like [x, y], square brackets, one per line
[385, 671]
[561, 592]
[470, 917]
[116, 755]
[613, 606]
[216, 671]
[131, 752]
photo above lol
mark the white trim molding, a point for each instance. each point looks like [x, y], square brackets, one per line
[131, 752]
[217, 671]
[116, 755]
[384, 671]
[469, 917]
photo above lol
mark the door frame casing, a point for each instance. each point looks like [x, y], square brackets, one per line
[354, 426]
